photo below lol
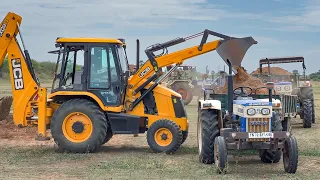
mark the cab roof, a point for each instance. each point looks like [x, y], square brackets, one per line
[88, 40]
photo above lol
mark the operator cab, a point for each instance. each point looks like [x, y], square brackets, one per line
[95, 65]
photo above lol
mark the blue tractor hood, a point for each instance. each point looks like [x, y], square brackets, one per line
[252, 102]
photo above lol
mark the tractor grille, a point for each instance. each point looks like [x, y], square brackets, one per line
[289, 105]
[258, 125]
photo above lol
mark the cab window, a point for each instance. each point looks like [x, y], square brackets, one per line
[101, 69]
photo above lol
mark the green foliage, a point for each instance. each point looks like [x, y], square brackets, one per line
[315, 76]
[42, 69]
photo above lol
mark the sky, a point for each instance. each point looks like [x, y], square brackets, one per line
[281, 27]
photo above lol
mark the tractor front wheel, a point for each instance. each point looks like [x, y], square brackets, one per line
[307, 113]
[290, 155]
[220, 155]
[164, 136]
[79, 126]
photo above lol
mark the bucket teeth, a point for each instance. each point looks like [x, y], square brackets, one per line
[5, 106]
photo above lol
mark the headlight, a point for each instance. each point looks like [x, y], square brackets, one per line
[251, 112]
[265, 111]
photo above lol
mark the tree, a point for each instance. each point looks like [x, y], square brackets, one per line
[4, 68]
[315, 76]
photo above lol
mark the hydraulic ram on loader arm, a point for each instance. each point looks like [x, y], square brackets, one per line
[26, 89]
[229, 48]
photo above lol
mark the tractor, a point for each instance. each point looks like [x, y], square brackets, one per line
[244, 119]
[294, 84]
[183, 82]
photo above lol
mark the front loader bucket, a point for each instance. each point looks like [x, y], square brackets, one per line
[234, 49]
[5, 106]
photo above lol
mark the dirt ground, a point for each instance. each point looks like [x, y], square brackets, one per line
[128, 157]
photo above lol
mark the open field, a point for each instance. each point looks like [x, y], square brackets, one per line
[128, 157]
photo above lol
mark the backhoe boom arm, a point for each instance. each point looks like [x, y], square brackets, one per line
[229, 48]
[26, 90]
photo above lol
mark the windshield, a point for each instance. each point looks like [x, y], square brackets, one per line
[123, 58]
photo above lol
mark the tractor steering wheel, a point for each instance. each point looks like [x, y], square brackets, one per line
[243, 93]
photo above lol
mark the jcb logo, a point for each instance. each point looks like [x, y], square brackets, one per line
[144, 72]
[17, 74]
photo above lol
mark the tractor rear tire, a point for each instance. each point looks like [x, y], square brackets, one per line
[268, 156]
[290, 155]
[184, 90]
[313, 112]
[184, 136]
[286, 124]
[79, 126]
[164, 136]
[307, 113]
[276, 122]
[207, 131]
[306, 93]
[5, 106]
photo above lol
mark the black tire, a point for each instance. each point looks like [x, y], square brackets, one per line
[306, 93]
[176, 136]
[276, 122]
[5, 106]
[184, 136]
[313, 112]
[290, 155]
[108, 135]
[307, 113]
[185, 87]
[220, 155]
[97, 118]
[286, 124]
[207, 131]
[268, 156]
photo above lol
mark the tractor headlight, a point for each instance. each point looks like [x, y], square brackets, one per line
[265, 111]
[251, 112]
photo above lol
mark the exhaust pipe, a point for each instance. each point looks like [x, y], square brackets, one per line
[138, 56]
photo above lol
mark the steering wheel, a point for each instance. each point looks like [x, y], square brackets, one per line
[242, 93]
[263, 87]
[65, 79]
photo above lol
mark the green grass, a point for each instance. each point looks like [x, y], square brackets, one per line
[127, 157]
[33, 162]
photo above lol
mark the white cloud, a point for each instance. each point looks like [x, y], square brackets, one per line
[307, 19]
[43, 21]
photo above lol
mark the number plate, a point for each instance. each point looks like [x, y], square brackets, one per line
[261, 135]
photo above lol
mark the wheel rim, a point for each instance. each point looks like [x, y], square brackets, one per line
[183, 93]
[163, 137]
[77, 127]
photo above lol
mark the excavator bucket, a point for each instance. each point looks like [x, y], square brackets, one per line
[5, 106]
[234, 49]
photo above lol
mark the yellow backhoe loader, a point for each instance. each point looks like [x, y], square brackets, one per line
[87, 106]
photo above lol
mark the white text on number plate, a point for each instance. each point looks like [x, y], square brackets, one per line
[261, 135]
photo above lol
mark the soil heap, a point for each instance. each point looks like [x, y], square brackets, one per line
[242, 78]
[273, 70]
